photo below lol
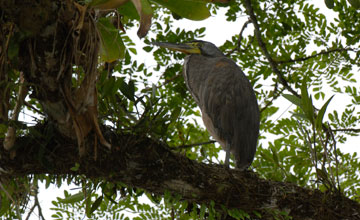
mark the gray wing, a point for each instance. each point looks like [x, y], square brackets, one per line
[227, 97]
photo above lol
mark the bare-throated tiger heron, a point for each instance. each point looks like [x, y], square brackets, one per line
[225, 96]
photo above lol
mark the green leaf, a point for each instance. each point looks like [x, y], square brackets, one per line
[257, 214]
[128, 89]
[193, 10]
[128, 9]
[47, 181]
[321, 113]
[293, 99]
[75, 168]
[148, 48]
[73, 198]
[306, 101]
[275, 155]
[300, 116]
[95, 2]
[355, 3]
[13, 49]
[105, 4]
[202, 211]
[5, 205]
[109, 87]
[329, 4]
[133, 50]
[96, 204]
[88, 206]
[266, 156]
[175, 114]
[112, 46]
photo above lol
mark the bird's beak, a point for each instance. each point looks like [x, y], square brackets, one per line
[188, 48]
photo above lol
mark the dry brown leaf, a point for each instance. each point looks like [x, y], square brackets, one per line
[145, 13]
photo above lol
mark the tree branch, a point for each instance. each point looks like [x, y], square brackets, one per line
[238, 44]
[193, 145]
[262, 46]
[347, 130]
[144, 163]
[276, 95]
[315, 55]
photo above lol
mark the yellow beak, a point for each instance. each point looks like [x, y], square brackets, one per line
[187, 48]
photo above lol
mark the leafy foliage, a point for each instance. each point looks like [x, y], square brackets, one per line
[316, 55]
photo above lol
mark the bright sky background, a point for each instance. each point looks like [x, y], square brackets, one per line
[218, 30]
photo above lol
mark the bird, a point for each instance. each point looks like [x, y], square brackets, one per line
[225, 96]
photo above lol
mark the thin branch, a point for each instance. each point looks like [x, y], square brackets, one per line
[27, 104]
[275, 96]
[315, 55]
[347, 130]
[30, 211]
[336, 157]
[262, 46]
[193, 145]
[238, 44]
[38, 205]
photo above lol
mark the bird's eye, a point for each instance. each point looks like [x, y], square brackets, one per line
[195, 44]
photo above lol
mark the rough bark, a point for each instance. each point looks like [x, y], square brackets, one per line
[144, 163]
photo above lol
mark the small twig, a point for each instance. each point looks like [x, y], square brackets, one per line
[262, 46]
[36, 204]
[326, 158]
[336, 157]
[238, 44]
[33, 108]
[315, 55]
[30, 212]
[39, 207]
[347, 130]
[275, 96]
[193, 145]
[307, 139]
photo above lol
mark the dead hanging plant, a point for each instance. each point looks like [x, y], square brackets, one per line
[6, 32]
[82, 54]
[60, 64]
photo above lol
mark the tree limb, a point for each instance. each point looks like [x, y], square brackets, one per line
[315, 55]
[145, 163]
[240, 38]
[194, 145]
[262, 46]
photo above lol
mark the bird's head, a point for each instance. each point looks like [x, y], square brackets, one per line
[194, 47]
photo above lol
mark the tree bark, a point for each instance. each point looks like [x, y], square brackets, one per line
[145, 163]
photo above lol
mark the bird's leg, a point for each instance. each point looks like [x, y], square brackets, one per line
[227, 155]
